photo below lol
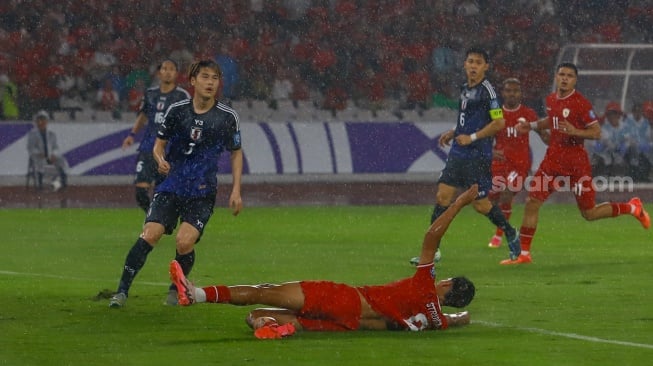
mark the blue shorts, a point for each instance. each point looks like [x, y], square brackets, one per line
[462, 173]
[168, 208]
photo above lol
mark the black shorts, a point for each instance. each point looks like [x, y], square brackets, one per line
[462, 173]
[167, 209]
[147, 170]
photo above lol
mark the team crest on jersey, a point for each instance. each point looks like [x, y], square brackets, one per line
[195, 133]
[236, 138]
[160, 105]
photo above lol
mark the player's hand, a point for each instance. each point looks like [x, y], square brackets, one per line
[445, 138]
[567, 128]
[164, 167]
[235, 203]
[127, 142]
[464, 140]
[523, 126]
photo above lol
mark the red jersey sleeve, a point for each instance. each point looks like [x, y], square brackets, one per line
[412, 303]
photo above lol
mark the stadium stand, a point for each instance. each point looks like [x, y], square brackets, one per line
[65, 50]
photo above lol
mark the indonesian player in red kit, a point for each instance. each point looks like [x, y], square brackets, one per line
[566, 165]
[511, 159]
[412, 303]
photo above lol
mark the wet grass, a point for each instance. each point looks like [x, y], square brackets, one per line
[584, 301]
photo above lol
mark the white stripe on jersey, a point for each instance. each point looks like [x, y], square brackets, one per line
[181, 102]
[233, 112]
[178, 88]
[490, 89]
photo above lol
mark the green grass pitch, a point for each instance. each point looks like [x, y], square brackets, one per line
[586, 299]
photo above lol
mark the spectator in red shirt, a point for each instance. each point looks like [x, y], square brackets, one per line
[107, 98]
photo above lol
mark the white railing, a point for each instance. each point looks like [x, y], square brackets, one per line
[612, 72]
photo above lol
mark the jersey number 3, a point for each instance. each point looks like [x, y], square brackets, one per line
[189, 151]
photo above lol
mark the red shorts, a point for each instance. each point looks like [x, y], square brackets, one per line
[329, 306]
[507, 178]
[579, 181]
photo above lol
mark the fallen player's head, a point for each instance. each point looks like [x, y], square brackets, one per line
[461, 293]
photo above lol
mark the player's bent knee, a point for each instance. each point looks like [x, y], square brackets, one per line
[443, 199]
[532, 204]
[589, 215]
[482, 206]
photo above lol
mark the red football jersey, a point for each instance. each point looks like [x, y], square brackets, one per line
[514, 145]
[412, 303]
[566, 150]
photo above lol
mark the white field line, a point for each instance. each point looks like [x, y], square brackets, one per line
[480, 322]
[564, 335]
[22, 274]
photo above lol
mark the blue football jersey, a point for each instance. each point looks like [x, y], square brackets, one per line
[195, 142]
[154, 105]
[478, 106]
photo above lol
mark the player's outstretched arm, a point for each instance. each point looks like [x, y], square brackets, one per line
[439, 227]
[458, 319]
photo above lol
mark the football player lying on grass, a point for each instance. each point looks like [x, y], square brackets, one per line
[412, 303]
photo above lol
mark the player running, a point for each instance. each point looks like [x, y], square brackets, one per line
[511, 158]
[412, 304]
[189, 142]
[479, 118]
[566, 165]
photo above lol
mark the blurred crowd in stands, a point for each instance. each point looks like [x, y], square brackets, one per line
[101, 54]
[625, 147]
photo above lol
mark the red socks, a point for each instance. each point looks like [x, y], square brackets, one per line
[622, 208]
[217, 294]
[526, 237]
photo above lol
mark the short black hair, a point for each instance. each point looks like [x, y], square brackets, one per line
[478, 51]
[568, 65]
[160, 65]
[195, 67]
[461, 293]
